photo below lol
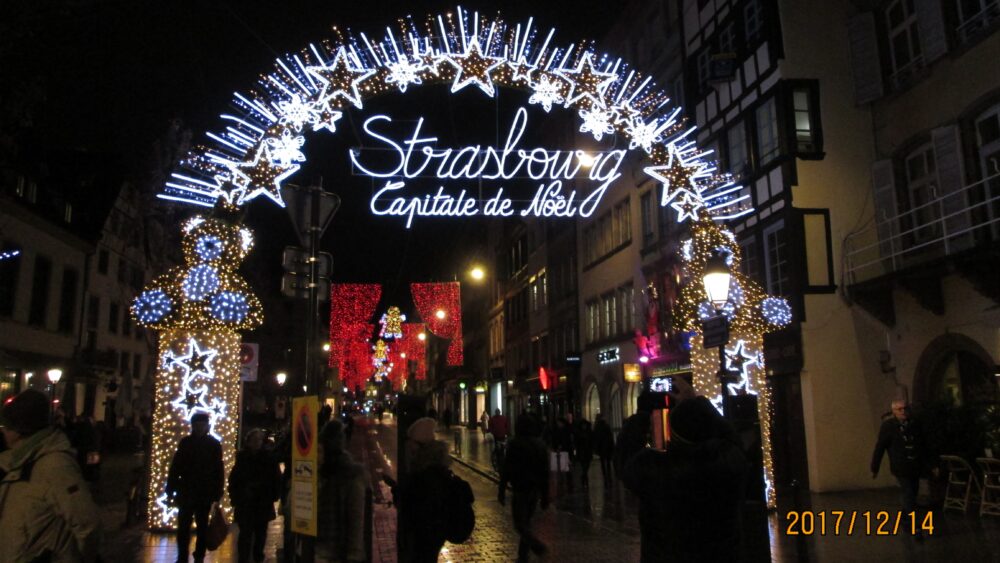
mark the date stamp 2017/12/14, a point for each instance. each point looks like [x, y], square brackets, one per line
[851, 522]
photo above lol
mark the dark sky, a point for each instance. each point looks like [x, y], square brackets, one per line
[113, 73]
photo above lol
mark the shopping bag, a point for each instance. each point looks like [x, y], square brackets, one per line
[559, 462]
[218, 528]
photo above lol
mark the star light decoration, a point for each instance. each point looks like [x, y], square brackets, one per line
[340, 80]
[472, 67]
[261, 174]
[196, 375]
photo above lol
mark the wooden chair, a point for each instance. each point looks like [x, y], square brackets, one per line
[963, 486]
[990, 502]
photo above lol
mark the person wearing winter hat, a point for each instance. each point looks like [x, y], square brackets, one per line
[422, 492]
[342, 482]
[46, 510]
[690, 494]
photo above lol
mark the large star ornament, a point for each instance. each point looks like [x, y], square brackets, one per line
[687, 206]
[474, 68]
[259, 175]
[341, 79]
[585, 82]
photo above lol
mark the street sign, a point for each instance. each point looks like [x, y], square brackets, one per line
[249, 360]
[296, 260]
[304, 464]
[715, 332]
[299, 201]
[297, 285]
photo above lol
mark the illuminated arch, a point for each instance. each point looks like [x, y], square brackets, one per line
[260, 144]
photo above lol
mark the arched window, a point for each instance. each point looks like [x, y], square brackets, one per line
[615, 408]
[962, 378]
[593, 405]
[632, 398]
[921, 189]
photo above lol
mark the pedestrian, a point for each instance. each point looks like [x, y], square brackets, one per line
[195, 482]
[254, 487]
[422, 492]
[86, 440]
[323, 416]
[584, 442]
[526, 469]
[341, 513]
[633, 438]
[562, 445]
[46, 510]
[690, 494]
[499, 429]
[484, 423]
[604, 446]
[348, 427]
[903, 439]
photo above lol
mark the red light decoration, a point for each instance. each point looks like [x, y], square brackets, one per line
[416, 349]
[430, 298]
[351, 308]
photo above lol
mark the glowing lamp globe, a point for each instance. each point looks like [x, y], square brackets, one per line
[716, 280]
[280, 377]
[477, 273]
[440, 314]
[421, 337]
[55, 375]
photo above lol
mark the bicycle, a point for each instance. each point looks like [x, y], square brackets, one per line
[498, 454]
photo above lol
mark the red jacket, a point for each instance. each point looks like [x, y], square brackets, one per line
[499, 427]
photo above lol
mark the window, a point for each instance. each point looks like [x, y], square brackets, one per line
[609, 312]
[767, 132]
[753, 20]
[67, 301]
[648, 218]
[805, 113]
[102, 262]
[737, 147]
[113, 314]
[727, 39]
[591, 321]
[904, 41]
[750, 263]
[976, 16]
[40, 291]
[10, 268]
[626, 298]
[776, 256]
[609, 233]
[704, 62]
[921, 190]
[93, 311]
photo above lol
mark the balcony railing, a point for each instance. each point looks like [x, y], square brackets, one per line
[943, 226]
[905, 74]
[973, 26]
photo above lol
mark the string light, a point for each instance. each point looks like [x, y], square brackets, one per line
[197, 309]
[776, 311]
[391, 324]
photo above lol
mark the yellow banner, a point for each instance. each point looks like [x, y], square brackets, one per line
[305, 466]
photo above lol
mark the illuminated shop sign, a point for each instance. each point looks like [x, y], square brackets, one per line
[608, 355]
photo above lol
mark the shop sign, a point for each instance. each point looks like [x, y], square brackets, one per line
[608, 355]
[633, 372]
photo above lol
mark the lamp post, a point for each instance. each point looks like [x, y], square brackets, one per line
[54, 375]
[716, 279]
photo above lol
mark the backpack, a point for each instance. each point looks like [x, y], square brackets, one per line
[460, 519]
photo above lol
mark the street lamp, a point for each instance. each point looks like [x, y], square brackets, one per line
[421, 336]
[280, 377]
[477, 273]
[326, 346]
[54, 375]
[717, 278]
[440, 314]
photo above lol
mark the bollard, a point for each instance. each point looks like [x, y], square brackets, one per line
[458, 443]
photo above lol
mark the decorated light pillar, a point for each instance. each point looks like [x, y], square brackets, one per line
[198, 310]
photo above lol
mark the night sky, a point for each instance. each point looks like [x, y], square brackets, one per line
[113, 74]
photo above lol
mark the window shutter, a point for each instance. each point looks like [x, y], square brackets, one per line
[951, 180]
[931, 26]
[865, 64]
[886, 210]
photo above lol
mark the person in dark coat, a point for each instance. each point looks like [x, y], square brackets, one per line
[525, 468]
[194, 482]
[604, 446]
[86, 441]
[690, 494]
[340, 519]
[422, 491]
[584, 442]
[254, 487]
[903, 439]
[348, 427]
[633, 438]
